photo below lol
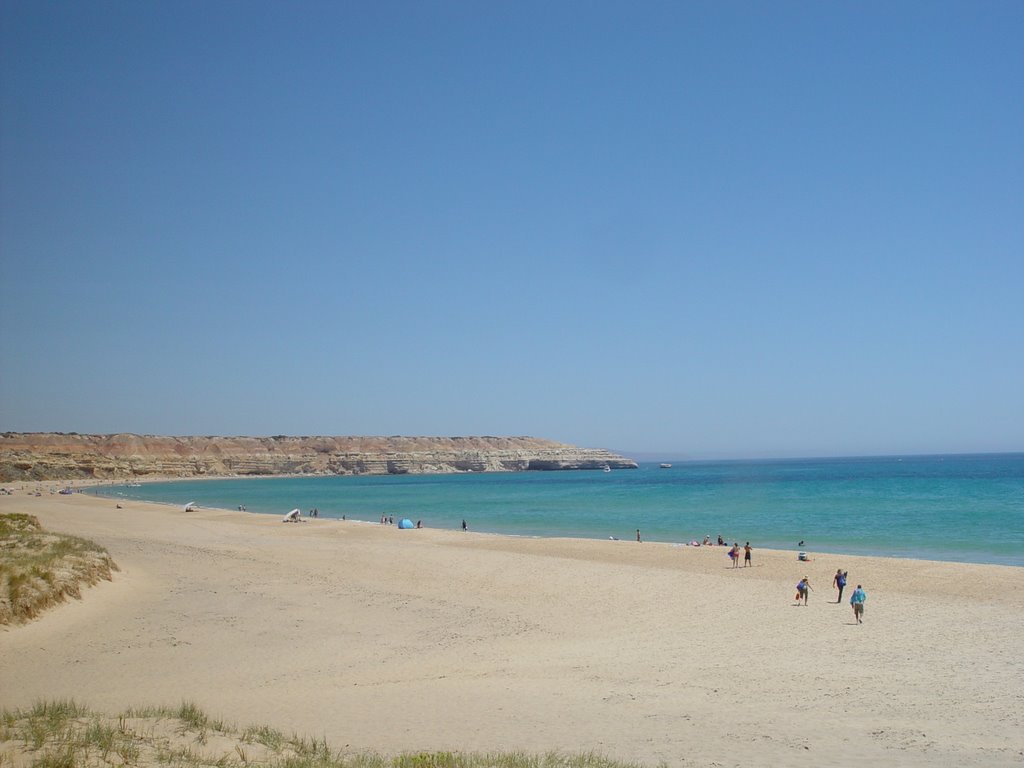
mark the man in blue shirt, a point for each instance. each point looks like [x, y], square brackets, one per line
[857, 601]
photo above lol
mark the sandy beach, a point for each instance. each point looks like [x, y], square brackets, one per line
[389, 640]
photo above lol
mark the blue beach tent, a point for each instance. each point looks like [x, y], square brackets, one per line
[405, 523]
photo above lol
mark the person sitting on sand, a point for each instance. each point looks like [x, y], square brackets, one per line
[706, 542]
[857, 601]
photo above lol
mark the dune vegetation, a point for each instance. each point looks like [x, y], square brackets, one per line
[39, 569]
[64, 734]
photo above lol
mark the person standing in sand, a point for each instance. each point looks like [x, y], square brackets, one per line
[638, 534]
[839, 582]
[746, 555]
[857, 601]
[734, 554]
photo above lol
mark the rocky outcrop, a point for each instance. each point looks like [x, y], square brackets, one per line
[50, 455]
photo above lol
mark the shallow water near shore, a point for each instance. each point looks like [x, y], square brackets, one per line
[955, 508]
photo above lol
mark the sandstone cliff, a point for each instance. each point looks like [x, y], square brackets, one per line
[49, 455]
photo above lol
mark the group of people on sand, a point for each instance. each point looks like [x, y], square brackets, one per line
[734, 554]
[734, 550]
[857, 599]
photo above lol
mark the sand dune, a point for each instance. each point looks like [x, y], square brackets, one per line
[419, 640]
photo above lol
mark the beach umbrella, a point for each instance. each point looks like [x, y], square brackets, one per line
[405, 523]
[190, 506]
[293, 515]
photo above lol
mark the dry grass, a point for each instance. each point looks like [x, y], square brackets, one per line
[39, 569]
[62, 733]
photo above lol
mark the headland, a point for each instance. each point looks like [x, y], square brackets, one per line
[67, 456]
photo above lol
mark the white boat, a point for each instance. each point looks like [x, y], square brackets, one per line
[666, 466]
[607, 469]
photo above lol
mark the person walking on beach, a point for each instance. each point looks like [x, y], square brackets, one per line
[746, 555]
[857, 601]
[638, 534]
[802, 588]
[839, 582]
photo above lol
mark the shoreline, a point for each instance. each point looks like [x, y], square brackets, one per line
[1001, 560]
[361, 632]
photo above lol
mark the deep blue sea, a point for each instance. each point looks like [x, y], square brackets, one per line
[957, 508]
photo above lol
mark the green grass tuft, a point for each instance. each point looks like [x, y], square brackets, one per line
[271, 738]
[66, 757]
[192, 716]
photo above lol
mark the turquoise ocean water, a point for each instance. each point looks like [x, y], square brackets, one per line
[958, 508]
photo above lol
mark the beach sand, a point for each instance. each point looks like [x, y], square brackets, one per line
[388, 640]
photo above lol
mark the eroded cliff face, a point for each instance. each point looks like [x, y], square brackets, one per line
[57, 456]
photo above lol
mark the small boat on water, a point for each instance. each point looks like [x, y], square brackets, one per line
[666, 466]
[607, 469]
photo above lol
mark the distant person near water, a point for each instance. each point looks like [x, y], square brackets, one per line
[638, 534]
[857, 601]
[839, 582]
[464, 526]
[746, 555]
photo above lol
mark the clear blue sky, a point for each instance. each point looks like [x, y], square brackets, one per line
[705, 229]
